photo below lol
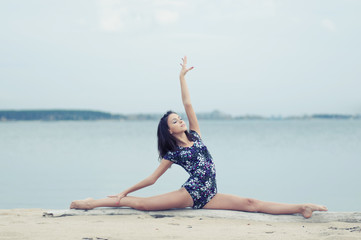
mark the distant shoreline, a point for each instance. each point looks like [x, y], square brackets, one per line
[89, 115]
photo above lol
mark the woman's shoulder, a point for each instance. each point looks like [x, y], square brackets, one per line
[195, 134]
[172, 155]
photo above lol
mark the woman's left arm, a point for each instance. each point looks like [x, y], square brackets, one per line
[186, 99]
[161, 169]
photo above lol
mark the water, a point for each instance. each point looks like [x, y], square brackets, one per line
[49, 164]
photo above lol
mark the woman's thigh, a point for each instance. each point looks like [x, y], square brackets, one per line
[176, 199]
[231, 202]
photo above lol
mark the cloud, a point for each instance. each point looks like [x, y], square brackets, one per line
[130, 15]
[170, 3]
[111, 22]
[126, 15]
[112, 15]
[328, 24]
[166, 16]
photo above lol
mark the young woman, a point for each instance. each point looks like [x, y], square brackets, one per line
[178, 145]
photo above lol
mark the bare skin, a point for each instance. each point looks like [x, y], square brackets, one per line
[176, 199]
[181, 198]
[231, 202]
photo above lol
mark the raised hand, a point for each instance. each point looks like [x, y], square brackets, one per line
[184, 69]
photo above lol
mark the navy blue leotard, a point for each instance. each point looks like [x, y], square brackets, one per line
[198, 162]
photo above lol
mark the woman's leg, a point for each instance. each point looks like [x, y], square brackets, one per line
[176, 199]
[231, 202]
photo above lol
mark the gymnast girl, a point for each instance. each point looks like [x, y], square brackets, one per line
[178, 145]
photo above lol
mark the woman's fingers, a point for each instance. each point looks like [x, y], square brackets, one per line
[120, 196]
[115, 196]
[186, 70]
[184, 66]
[184, 59]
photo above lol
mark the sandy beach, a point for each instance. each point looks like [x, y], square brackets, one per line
[30, 224]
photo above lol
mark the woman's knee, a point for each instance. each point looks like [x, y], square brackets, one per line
[141, 204]
[145, 204]
[252, 205]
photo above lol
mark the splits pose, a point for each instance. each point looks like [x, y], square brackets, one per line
[178, 145]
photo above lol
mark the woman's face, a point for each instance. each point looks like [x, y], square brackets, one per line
[176, 124]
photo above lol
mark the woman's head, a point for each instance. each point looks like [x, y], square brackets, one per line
[169, 125]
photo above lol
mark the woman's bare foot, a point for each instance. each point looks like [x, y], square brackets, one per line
[308, 209]
[82, 204]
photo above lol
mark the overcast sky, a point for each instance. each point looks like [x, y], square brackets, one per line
[267, 57]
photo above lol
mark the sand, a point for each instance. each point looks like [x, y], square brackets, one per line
[30, 224]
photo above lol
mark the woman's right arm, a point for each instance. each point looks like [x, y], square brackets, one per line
[162, 168]
[186, 99]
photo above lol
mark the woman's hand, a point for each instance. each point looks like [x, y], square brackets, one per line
[184, 69]
[118, 197]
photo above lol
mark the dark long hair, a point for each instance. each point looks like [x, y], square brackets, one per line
[166, 141]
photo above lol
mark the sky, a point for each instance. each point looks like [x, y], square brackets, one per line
[259, 57]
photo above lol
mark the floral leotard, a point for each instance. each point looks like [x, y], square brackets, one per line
[198, 162]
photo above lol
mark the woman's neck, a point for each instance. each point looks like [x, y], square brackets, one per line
[182, 140]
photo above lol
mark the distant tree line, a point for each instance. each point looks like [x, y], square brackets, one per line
[80, 115]
[56, 115]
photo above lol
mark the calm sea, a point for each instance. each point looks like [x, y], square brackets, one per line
[49, 164]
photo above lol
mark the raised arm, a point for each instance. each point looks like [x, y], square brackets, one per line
[162, 168]
[191, 115]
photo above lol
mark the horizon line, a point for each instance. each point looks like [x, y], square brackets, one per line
[216, 111]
